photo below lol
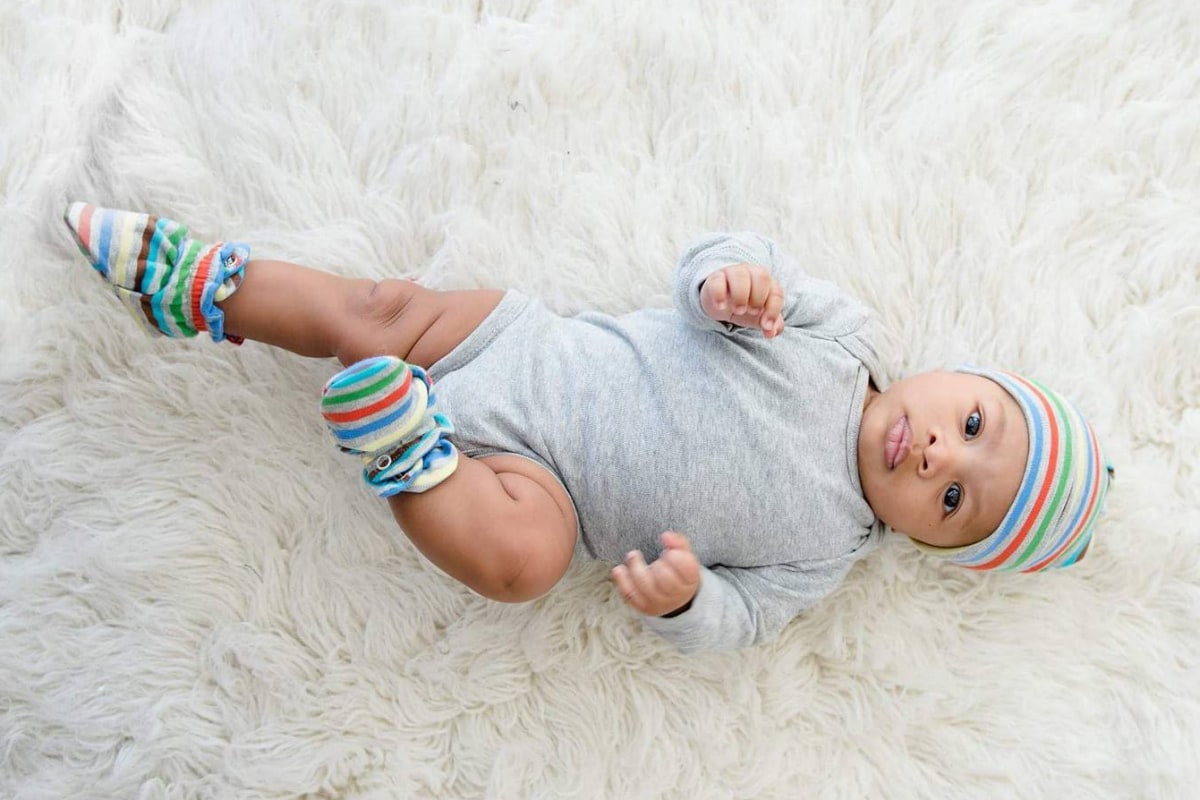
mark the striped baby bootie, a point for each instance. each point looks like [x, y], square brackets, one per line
[168, 281]
[384, 411]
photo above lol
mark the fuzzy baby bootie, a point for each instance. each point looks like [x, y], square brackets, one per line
[384, 411]
[168, 281]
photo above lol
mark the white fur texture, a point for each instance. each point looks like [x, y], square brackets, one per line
[199, 599]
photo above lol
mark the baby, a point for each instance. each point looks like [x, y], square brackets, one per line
[751, 424]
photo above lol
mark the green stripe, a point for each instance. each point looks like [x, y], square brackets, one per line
[175, 237]
[179, 292]
[330, 401]
[1097, 509]
[1067, 440]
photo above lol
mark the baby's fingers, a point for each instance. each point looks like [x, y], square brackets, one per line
[760, 288]
[643, 591]
[665, 579]
[626, 587]
[673, 540]
[772, 316]
[641, 575]
[740, 283]
[716, 291]
[682, 567]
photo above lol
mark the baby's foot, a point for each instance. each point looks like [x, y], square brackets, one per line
[169, 282]
[383, 411]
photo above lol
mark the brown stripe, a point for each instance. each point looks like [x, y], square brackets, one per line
[148, 310]
[147, 233]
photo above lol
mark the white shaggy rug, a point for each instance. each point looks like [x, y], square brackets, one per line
[197, 597]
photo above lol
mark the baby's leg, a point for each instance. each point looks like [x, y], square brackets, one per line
[502, 525]
[320, 314]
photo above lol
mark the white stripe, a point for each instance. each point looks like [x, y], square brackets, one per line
[134, 307]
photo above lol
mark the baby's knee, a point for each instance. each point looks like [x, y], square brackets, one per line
[382, 302]
[532, 577]
[527, 565]
[380, 318]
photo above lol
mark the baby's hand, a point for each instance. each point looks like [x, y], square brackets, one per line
[745, 295]
[667, 585]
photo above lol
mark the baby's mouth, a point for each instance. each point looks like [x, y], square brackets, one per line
[898, 443]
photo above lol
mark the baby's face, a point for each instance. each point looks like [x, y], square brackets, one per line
[941, 456]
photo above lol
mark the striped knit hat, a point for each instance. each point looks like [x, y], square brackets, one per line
[1062, 492]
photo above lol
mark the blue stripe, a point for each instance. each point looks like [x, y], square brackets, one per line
[1092, 456]
[151, 276]
[442, 451]
[1027, 485]
[1073, 556]
[359, 372]
[151, 260]
[105, 238]
[1076, 549]
[371, 427]
[1089, 527]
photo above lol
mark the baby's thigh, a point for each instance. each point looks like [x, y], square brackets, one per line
[406, 320]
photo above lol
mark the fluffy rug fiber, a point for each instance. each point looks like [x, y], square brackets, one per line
[199, 599]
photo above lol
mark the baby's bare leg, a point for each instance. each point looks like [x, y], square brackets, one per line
[320, 314]
[502, 525]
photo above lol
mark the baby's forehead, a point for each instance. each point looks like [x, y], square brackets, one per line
[968, 383]
[1001, 473]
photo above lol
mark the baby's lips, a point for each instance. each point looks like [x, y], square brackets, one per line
[898, 436]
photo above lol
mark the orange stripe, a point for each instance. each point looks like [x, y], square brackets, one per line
[366, 411]
[1083, 520]
[1047, 481]
[85, 226]
[198, 281]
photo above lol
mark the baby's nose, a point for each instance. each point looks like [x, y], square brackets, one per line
[933, 455]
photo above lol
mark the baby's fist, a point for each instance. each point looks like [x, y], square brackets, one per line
[664, 586]
[744, 295]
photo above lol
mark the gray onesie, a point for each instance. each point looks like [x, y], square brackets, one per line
[666, 420]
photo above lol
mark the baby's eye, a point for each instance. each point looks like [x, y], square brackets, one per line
[974, 423]
[952, 498]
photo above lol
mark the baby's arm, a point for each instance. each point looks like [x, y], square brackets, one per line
[729, 607]
[744, 271]
[742, 261]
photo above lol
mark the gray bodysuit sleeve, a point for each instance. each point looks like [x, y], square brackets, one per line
[819, 306]
[741, 607]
